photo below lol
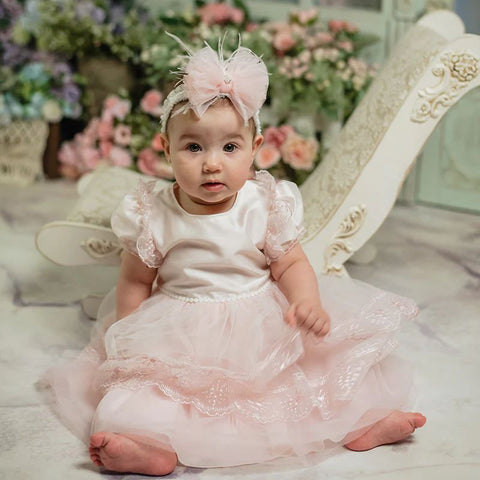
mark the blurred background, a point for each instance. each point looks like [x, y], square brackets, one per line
[82, 83]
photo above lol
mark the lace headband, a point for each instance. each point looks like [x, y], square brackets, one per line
[242, 78]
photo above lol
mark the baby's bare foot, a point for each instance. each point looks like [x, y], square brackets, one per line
[395, 427]
[122, 453]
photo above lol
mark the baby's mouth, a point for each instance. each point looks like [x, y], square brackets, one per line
[213, 186]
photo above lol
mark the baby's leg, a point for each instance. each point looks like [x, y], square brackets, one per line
[130, 453]
[130, 432]
[395, 427]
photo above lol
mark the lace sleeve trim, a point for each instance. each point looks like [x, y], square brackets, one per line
[144, 247]
[280, 214]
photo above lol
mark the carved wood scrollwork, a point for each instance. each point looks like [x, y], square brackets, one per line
[99, 248]
[455, 72]
[349, 226]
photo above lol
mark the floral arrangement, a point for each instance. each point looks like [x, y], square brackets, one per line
[33, 84]
[76, 28]
[286, 153]
[317, 68]
[316, 77]
[39, 90]
[121, 136]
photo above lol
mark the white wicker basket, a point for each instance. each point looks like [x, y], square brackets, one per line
[22, 144]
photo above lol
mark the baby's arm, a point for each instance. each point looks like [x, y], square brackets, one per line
[134, 285]
[297, 280]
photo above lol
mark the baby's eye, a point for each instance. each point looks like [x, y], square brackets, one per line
[229, 147]
[193, 147]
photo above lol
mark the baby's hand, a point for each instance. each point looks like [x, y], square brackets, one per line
[309, 316]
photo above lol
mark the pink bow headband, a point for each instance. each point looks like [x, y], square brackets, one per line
[243, 78]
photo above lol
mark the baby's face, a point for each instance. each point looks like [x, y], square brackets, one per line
[211, 157]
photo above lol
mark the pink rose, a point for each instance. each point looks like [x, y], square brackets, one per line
[157, 143]
[152, 103]
[237, 16]
[283, 41]
[120, 157]
[82, 140]
[116, 107]
[67, 154]
[214, 13]
[299, 152]
[345, 45]
[220, 13]
[91, 130]
[105, 148]
[324, 37]
[105, 130]
[335, 26]
[267, 156]
[90, 157]
[150, 163]
[349, 27]
[277, 135]
[122, 135]
[307, 16]
[110, 102]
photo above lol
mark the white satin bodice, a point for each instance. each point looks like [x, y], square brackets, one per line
[211, 257]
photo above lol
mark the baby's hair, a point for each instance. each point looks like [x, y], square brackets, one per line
[221, 102]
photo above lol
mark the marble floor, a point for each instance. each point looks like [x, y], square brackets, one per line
[428, 254]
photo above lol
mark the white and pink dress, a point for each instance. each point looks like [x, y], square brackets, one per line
[207, 364]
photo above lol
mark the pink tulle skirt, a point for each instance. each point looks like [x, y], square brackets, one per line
[229, 383]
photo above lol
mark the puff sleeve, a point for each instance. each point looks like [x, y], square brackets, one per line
[285, 220]
[131, 224]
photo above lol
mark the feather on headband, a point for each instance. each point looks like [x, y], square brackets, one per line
[243, 78]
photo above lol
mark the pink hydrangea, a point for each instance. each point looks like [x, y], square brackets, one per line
[152, 103]
[91, 130]
[283, 40]
[116, 107]
[336, 26]
[105, 130]
[267, 156]
[220, 13]
[105, 148]
[299, 152]
[67, 155]
[307, 16]
[89, 157]
[277, 135]
[120, 157]
[346, 45]
[324, 37]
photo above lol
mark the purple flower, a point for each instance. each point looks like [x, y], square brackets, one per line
[14, 55]
[13, 8]
[61, 68]
[71, 93]
[86, 9]
[98, 15]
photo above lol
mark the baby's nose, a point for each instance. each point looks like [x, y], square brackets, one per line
[212, 163]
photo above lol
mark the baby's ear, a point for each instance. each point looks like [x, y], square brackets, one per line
[257, 141]
[166, 145]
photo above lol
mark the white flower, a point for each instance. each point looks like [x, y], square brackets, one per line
[51, 111]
